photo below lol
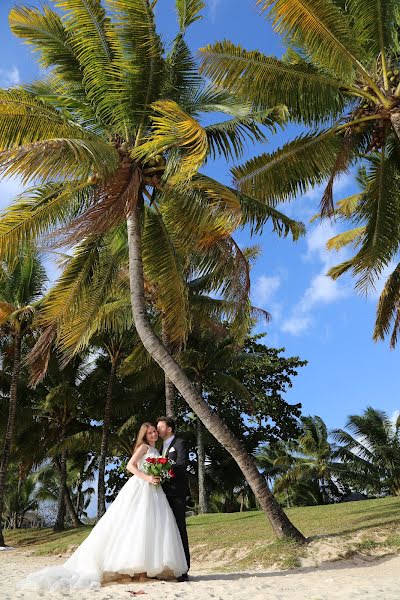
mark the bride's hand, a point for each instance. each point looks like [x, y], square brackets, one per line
[154, 480]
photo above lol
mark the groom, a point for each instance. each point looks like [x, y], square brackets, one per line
[177, 488]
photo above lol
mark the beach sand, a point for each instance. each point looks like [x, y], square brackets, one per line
[358, 578]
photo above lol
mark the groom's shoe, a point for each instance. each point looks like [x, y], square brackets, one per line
[184, 577]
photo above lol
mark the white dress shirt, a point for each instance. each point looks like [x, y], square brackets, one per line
[166, 444]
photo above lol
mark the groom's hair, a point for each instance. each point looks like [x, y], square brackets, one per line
[169, 422]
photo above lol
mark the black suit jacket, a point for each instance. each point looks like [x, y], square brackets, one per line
[178, 454]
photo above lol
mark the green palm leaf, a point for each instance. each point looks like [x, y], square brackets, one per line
[257, 213]
[320, 26]
[309, 93]
[25, 119]
[188, 12]
[291, 170]
[66, 158]
[139, 64]
[374, 24]
[39, 211]
[389, 308]
[163, 268]
[228, 138]
[379, 208]
[352, 236]
[45, 31]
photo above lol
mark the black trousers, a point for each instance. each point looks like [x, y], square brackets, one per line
[178, 505]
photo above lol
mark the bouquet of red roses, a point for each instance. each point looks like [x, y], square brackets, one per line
[159, 467]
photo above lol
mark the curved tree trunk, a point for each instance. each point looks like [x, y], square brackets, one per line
[101, 486]
[76, 522]
[59, 525]
[279, 521]
[10, 429]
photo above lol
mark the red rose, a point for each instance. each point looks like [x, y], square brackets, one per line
[162, 460]
[171, 473]
[151, 460]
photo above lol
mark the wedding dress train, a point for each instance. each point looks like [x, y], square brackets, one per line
[137, 534]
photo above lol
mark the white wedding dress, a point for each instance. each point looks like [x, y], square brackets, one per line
[137, 534]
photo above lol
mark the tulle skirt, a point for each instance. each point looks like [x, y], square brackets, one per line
[137, 534]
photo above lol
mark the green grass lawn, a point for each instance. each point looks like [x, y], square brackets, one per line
[246, 540]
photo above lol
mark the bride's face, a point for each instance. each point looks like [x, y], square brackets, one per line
[151, 435]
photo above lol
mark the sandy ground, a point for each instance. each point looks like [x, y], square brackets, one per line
[353, 579]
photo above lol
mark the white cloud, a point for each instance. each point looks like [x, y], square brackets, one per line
[213, 9]
[395, 415]
[9, 188]
[264, 288]
[296, 324]
[10, 77]
[321, 289]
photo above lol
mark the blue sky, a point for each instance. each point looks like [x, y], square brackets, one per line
[319, 320]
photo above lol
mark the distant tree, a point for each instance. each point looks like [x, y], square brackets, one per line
[21, 283]
[306, 469]
[371, 450]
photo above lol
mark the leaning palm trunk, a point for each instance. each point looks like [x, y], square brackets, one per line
[9, 435]
[279, 521]
[76, 522]
[101, 492]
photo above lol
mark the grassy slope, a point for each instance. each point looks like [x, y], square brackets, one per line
[245, 540]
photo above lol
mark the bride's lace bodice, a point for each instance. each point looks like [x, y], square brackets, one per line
[153, 452]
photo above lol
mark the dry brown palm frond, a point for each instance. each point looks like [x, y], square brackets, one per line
[341, 165]
[116, 197]
[38, 358]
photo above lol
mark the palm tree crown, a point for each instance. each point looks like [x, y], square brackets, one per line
[340, 79]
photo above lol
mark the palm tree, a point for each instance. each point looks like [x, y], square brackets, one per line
[308, 465]
[340, 80]
[347, 211]
[22, 282]
[113, 134]
[371, 449]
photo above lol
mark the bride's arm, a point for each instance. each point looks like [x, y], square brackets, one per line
[133, 468]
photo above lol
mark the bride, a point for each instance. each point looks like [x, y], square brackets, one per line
[137, 536]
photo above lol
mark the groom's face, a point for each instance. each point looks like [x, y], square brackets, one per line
[163, 430]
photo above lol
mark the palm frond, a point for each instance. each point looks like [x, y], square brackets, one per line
[257, 213]
[39, 211]
[201, 214]
[163, 268]
[305, 161]
[339, 270]
[173, 129]
[25, 119]
[91, 37]
[374, 24]
[138, 61]
[379, 209]
[352, 236]
[388, 307]
[310, 94]
[322, 29]
[59, 158]
[46, 32]
[229, 137]
[188, 12]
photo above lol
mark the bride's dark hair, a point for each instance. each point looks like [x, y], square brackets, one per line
[141, 436]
